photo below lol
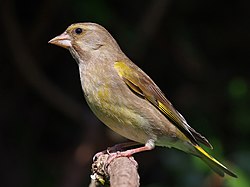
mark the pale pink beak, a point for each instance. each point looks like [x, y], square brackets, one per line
[62, 40]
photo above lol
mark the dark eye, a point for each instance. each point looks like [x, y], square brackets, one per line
[78, 30]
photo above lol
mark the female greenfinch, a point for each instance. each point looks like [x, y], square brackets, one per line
[126, 99]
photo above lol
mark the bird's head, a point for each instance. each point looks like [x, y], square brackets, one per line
[84, 39]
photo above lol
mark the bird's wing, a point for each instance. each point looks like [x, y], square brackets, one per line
[143, 86]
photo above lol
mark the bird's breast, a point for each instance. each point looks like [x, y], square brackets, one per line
[111, 104]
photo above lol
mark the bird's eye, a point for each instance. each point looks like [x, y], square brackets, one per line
[78, 30]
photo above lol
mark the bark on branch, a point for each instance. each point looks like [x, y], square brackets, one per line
[120, 172]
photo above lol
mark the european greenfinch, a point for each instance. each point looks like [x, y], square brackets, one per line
[126, 99]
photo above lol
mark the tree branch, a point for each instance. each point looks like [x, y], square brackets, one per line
[120, 172]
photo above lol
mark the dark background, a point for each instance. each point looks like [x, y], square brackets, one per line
[196, 51]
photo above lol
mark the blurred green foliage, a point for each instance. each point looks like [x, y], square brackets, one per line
[238, 88]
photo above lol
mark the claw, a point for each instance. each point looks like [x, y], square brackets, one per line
[95, 157]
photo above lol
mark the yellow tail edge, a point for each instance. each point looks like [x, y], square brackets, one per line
[214, 164]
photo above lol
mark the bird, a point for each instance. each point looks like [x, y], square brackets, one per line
[126, 99]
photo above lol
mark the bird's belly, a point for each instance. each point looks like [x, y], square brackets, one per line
[123, 121]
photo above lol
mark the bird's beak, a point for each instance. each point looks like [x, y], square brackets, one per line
[62, 40]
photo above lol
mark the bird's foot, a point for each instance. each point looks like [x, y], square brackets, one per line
[116, 148]
[97, 155]
[119, 154]
[114, 153]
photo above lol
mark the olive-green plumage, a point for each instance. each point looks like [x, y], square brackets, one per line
[125, 98]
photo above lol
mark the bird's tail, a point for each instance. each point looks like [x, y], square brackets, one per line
[212, 162]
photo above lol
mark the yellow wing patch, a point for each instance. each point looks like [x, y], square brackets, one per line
[122, 69]
[125, 72]
[163, 108]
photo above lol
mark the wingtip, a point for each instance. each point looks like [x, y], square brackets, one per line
[230, 173]
[209, 145]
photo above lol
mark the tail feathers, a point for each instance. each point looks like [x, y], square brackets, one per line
[213, 163]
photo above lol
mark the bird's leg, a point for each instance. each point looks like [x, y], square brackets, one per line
[115, 148]
[121, 146]
[128, 153]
